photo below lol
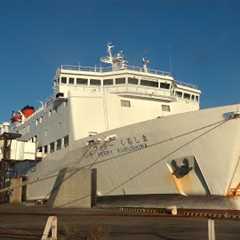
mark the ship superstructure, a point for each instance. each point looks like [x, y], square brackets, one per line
[93, 100]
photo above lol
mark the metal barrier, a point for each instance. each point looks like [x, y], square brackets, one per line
[50, 229]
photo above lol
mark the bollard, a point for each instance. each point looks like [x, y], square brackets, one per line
[211, 229]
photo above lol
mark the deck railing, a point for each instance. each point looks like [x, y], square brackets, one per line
[110, 69]
[187, 84]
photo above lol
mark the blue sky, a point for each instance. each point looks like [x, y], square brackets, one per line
[202, 38]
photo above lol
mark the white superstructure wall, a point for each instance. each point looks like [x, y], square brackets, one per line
[99, 111]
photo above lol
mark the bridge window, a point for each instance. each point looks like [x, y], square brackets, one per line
[108, 82]
[66, 141]
[125, 103]
[52, 147]
[197, 98]
[186, 96]
[82, 81]
[149, 83]
[71, 80]
[95, 82]
[120, 80]
[178, 94]
[164, 85]
[59, 144]
[63, 80]
[45, 149]
[133, 81]
[165, 108]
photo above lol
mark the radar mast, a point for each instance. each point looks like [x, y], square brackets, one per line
[117, 61]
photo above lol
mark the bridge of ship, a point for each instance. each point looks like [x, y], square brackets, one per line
[131, 80]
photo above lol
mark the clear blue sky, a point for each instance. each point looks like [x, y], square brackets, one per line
[202, 37]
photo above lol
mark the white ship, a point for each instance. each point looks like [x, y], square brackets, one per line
[141, 130]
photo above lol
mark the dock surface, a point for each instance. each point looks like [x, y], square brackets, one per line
[89, 224]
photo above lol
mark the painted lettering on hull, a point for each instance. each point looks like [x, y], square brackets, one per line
[124, 145]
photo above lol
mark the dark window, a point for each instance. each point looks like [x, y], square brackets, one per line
[108, 82]
[178, 94]
[59, 144]
[164, 85]
[40, 149]
[165, 108]
[192, 97]
[197, 98]
[120, 80]
[149, 83]
[186, 96]
[66, 141]
[95, 82]
[59, 95]
[132, 80]
[125, 103]
[52, 147]
[63, 80]
[82, 81]
[45, 148]
[71, 80]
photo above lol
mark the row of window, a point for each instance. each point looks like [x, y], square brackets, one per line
[127, 103]
[186, 96]
[105, 82]
[55, 146]
[129, 80]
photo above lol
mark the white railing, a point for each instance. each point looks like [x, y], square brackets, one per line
[187, 84]
[130, 89]
[143, 90]
[110, 69]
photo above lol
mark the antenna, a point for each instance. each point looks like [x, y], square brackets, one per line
[145, 63]
[117, 61]
[170, 60]
[108, 59]
[109, 49]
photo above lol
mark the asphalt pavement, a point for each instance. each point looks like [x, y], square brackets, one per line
[97, 224]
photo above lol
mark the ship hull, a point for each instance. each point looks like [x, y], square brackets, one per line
[194, 153]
